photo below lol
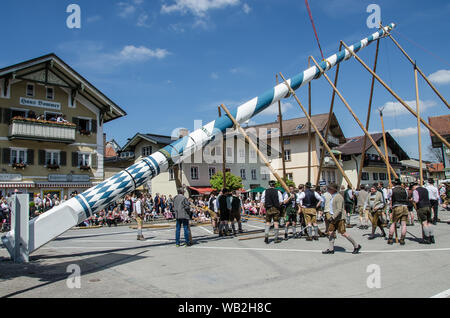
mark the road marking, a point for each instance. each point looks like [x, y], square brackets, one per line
[313, 251]
[257, 227]
[444, 294]
[201, 227]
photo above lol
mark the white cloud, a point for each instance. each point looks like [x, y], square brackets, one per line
[126, 9]
[142, 53]
[142, 20]
[246, 8]
[214, 75]
[405, 132]
[273, 109]
[391, 109]
[197, 7]
[440, 77]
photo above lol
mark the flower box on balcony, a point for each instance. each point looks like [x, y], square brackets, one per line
[85, 168]
[85, 132]
[42, 130]
[19, 165]
[53, 166]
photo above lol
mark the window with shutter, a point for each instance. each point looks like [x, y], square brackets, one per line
[30, 157]
[74, 159]
[94, 125]
[41, 159]
[1, 115]
[63, 158]
[6, 115]
[94, 160]
[6, 156]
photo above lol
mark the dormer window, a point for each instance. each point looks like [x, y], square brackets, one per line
[30, 90]
[50, 93]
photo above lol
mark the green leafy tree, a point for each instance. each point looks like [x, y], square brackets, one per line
[233, 182]
[288, 182]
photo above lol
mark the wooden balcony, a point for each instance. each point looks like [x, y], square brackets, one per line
[41, 130]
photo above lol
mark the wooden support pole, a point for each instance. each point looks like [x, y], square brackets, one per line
[252, 144]
[418, 126]
[280, 119]
[419, 70]
[224, 149]
[369, 111]
[317, 131]
[386, 150]
[374, 144]
[445, 142]
[330, 116]
[309, 129]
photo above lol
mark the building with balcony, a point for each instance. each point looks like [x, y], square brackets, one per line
[374, 168]
[442, 125]
[51, 128]
[195, 171]
[295, 139]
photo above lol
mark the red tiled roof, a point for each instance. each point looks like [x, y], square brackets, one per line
[441, 124]
[435, 167]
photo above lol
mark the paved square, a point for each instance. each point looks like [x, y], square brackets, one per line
[114, 264]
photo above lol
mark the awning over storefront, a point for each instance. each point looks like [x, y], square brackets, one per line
[17, 185]
[64, 185]
[202, 190]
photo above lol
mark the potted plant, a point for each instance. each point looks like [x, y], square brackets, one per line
[19, 165]
[85, 132]
[52, 165]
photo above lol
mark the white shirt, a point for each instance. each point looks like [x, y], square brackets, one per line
[302, 196]
[280, 197]
[138, 207]
[433, 192]
[331, 202]
[286, 196]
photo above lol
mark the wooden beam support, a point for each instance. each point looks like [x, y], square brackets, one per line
[280, 118]
[252, 144]
[369, 111]
[418, 126]
[330, 116]
[445, 142]
[224, 164]
[386, 149]
[374, 144]
[419, 70]
[317, 131]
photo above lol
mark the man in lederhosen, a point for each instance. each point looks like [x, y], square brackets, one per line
[336, 219]
[236, 213]
[375, 202]
[399, 205]
[309, 202]
[291, 208]
[272, 200]
[423, 207]
[224, 207]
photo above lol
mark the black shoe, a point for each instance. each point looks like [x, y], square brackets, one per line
[402, 241]
[432, 239]
[285, 236]
[328, 252]
[390, 241]
[316, 238]
[309, 239]
[356, 250]
[266, 240]
[189, 244]
[277, 240]
[425, 241]
[371, 237]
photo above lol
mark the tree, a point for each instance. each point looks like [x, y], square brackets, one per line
[288, 182]
[435, 154]
[233, 182]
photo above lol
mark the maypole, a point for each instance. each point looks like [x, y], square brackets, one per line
[72, 212]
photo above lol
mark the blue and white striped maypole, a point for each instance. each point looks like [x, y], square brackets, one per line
[72, 212]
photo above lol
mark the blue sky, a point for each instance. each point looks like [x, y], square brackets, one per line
[170, 62]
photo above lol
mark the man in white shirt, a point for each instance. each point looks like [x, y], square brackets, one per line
[139, 218]
[433, 193]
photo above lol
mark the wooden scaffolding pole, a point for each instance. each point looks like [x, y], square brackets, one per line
[419, 70]
[374, 144]
[280, 119]
[369, 111]
[418, 126]
[224, 149]
[317, 131]
[309, 129]
[330, 116]
[445, 142]
[252, 144]
[386, 149]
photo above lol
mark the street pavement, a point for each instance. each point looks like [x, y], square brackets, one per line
[113, 263]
